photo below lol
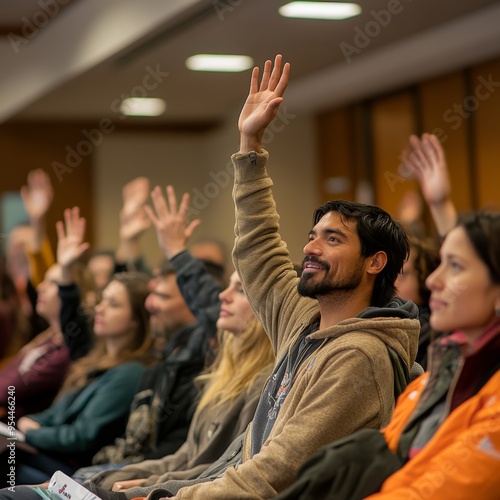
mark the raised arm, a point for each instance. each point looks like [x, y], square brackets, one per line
[426, 159]
[170, 221]
[259, 254]
[70, 247]
[199, 289]
[37, 197]
[133, 223]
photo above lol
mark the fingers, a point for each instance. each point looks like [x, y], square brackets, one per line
[60, 230]
[74, 225]
[416, 157]
[184, 205]
[265, 76]
[38, 179]
[159, 203]
[165, 210]
[283, 81]
[254, 81]
[151, 215]
[83, 248]
[272, 77]
[276, 73]
[436, 149]
[192, 227]
[172, 200]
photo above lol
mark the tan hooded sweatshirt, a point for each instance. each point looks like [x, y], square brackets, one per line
[345, 385]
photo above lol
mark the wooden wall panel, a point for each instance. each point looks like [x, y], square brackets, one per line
[461, 108]
[438, 101]
[485, 97]
[336, 136]
[24, 147]
[392, 124]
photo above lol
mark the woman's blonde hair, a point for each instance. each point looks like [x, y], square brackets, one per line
[97, 360]
[240, 359]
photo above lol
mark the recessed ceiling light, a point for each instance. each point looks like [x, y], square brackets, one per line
[219, 62]
[143, 106]
[320, 10]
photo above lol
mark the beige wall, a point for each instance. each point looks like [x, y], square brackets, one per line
[198, 164]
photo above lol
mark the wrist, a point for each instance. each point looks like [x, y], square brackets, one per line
[249, 144]
[170, 253]
[444, 215]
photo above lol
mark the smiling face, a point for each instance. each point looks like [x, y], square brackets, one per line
[463, 296]
[333, 261]
[48, 304]
[113, 315]
[236, 315]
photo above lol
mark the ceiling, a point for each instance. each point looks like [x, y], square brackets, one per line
[65, 60]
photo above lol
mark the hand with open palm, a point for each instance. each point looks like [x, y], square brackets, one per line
[172, 229]
[70, 245]
[426, 159]
[262, 103]
[37, 197]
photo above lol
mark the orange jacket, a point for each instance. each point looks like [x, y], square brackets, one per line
[461, 461]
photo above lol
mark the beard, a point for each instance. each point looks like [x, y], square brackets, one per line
[311, 285]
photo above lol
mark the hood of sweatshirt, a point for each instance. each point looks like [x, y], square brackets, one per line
[396, 325]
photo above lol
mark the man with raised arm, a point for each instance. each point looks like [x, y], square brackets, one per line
[343, 340]
[334, 330]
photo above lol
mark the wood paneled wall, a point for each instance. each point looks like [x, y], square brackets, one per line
[486, 133]
[392, 124]
[462, 109]
[26, 147]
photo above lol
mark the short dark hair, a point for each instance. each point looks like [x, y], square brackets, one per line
[483, 231]
[166, 268]
[377, 231]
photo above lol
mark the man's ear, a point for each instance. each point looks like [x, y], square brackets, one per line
[376, 262]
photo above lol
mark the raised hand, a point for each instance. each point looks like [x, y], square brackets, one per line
[70, 235]
[426, 159]
[133, 219]
[262, 103]
[37, 195]
[170, 221]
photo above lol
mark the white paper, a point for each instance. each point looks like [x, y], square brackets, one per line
[65, 487]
